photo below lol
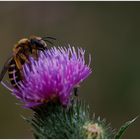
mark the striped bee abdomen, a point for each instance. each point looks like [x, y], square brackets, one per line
[14, 74]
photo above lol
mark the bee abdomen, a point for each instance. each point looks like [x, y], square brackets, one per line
[14, 74]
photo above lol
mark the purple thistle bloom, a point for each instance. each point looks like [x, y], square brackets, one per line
[53, 76]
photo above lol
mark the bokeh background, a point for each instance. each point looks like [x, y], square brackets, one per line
[110, 31]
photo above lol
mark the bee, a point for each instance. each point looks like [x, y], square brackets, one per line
[21, 52]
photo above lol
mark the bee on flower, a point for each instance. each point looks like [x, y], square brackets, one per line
[53, 76]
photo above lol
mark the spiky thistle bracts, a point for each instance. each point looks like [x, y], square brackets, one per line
[53, 77]
[54, 121]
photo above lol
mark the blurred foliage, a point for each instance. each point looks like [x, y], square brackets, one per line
[108, 30]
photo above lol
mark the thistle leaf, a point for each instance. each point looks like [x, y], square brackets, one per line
[123, 128]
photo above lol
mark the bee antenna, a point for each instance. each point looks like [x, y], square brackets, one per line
[48, 37]
[48, 41]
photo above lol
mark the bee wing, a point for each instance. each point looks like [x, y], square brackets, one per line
[5, 68]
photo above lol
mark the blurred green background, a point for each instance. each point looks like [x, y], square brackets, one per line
[110, 31]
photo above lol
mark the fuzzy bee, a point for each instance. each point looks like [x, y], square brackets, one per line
[21, 52]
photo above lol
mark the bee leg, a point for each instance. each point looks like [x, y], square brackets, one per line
[34, 52]
[18, 63]
[24, 58]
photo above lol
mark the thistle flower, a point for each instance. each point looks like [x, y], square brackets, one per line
[53, 76]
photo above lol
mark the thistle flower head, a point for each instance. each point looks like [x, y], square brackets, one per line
[53, 76]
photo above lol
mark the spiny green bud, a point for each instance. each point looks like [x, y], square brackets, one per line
[94, 131]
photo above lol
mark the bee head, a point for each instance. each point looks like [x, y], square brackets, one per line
[38, 42]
